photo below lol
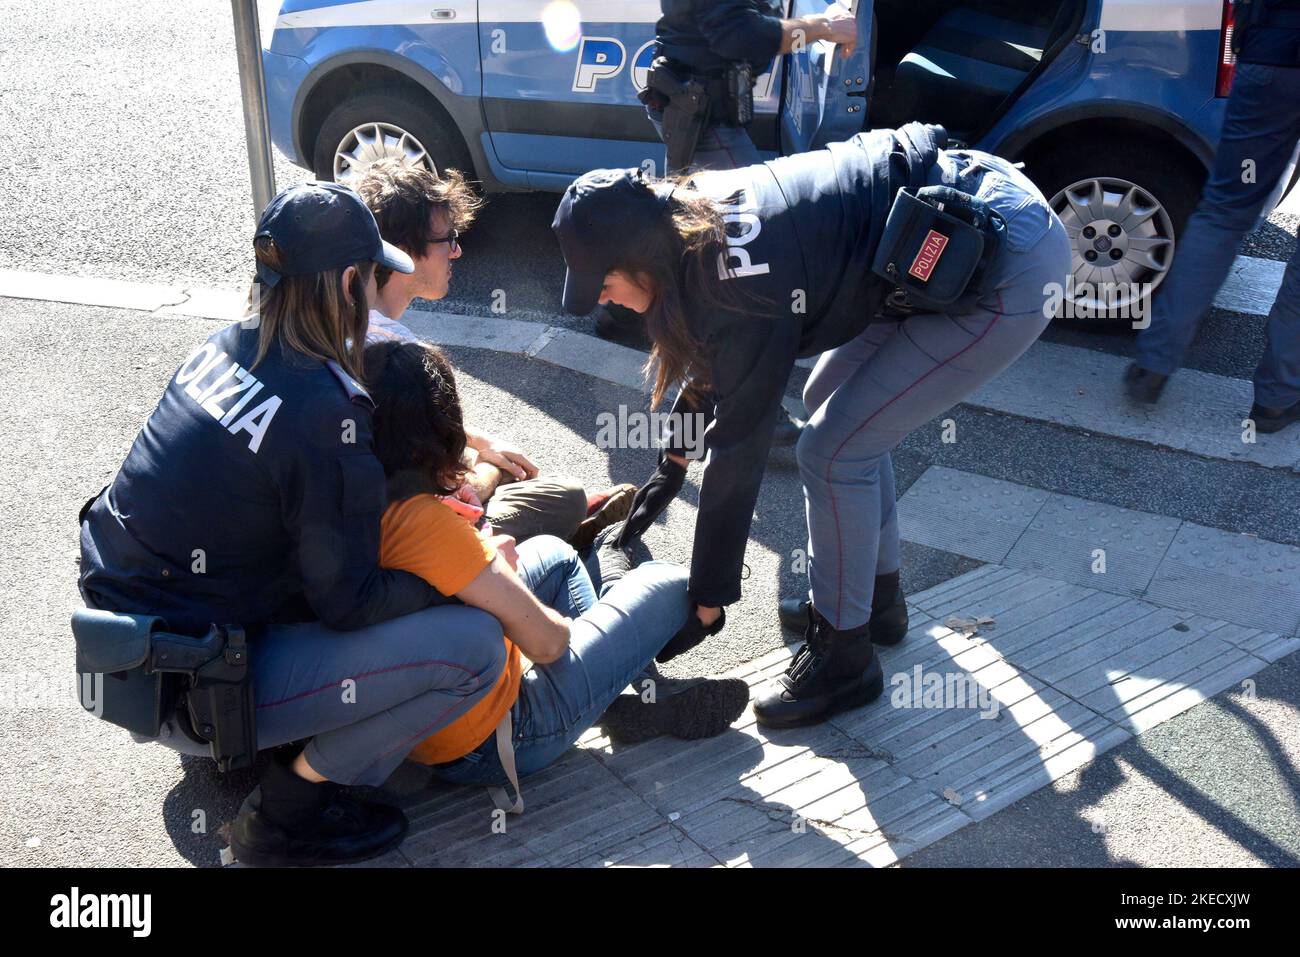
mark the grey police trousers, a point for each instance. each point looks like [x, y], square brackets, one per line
[867, 395]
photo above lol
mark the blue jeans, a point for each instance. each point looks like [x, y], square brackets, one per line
[868, 394]
[720, 147]
[366, 697]
[612, 640]
[1262, 126]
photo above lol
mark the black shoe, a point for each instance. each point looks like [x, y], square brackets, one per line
[888, 624]
[832, 671]
[326, 828]
[700, 708]
[1143, 385]
[1268, 419]
[788, 429]
[606, 563]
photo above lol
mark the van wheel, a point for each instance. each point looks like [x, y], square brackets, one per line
[1124, 207]
[389, 124]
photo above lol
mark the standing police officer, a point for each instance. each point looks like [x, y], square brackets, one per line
[920, 274]
[700, 97]
[700, 90]
[1259, 137]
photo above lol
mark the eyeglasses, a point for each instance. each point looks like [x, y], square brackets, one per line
[452, 239]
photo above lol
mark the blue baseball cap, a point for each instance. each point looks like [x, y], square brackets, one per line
[322, 226]
[603, 216]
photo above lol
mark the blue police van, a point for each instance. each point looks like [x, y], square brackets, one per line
[1115, 106]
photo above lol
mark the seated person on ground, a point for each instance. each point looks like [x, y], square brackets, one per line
[423, 215]
[573, 646]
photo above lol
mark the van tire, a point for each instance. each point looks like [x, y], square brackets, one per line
[395, 108]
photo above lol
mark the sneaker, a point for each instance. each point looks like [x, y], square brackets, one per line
[1269, 419]
[697, 708]
[608, 509]
[607, 563]
[1143, 385]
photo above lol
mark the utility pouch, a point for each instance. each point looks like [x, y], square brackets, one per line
[133, 674]
[935, 248]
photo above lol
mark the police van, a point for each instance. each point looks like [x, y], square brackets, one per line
[1115, 106]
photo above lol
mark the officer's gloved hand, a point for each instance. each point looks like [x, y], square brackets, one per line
[690, 635]
[652, 498]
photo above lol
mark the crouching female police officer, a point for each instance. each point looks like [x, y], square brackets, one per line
[252, 496]
[916, 273]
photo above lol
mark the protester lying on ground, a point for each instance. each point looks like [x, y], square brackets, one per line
[584, 641]
[424, 215]
[252, 497]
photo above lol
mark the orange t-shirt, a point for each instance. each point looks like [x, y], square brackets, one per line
[424, 536]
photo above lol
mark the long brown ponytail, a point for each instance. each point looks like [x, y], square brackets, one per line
[682, 260]
[310, 314]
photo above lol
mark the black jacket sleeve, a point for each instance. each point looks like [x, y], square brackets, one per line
[750, 364]
[737, 30]
[332, 497]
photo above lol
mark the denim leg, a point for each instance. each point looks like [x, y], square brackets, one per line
[553, 572]
[1261, 128]
[366, 697]
[609, 646]
[1277, 380]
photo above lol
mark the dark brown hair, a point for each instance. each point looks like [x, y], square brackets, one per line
[403, 198]
[681, 257]
[419, 427]
[310, 314]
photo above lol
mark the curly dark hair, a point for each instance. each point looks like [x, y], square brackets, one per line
[402, 199]
[419, 427]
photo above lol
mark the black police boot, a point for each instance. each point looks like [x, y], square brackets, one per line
[1269, 419]
[888, 622]
[1143, 385]
[289, 821]
[832, 671]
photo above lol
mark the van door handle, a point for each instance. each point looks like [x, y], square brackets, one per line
[443, 13]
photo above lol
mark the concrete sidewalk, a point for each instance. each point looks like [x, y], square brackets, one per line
[1067, 671]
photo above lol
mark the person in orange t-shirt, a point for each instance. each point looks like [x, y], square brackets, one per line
[571, 652]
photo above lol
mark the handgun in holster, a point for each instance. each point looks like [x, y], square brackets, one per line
[686, 108]
[150, 675]
[936, 249]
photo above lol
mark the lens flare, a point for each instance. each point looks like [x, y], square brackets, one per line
[563, 25]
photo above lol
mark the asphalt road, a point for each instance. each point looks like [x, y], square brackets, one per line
[127, 161]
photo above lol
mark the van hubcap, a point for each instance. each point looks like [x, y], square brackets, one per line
[371, 142]
[1122, 241]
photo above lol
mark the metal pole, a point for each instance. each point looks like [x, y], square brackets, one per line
[252, 84]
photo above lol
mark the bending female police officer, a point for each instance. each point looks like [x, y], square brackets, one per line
[742, 272]
[252, 496]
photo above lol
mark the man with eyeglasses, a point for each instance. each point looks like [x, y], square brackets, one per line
[423, 214]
